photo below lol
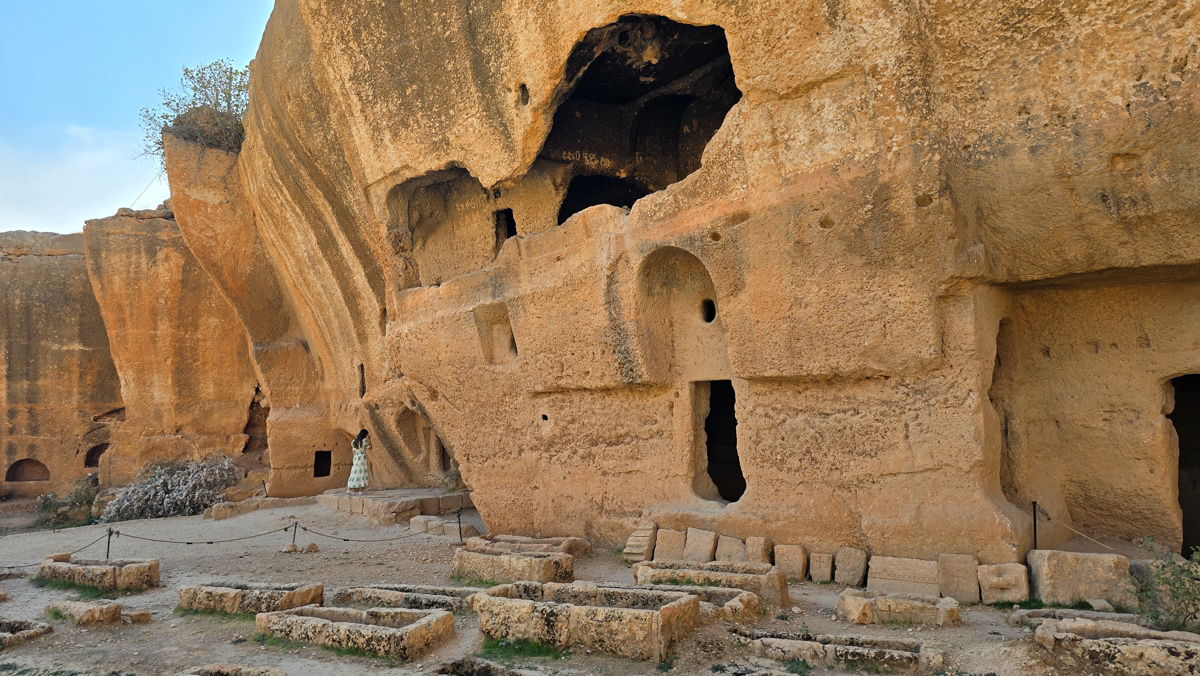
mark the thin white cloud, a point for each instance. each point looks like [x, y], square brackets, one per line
[78, 173]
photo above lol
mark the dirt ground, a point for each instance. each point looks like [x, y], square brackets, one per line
[173, 643]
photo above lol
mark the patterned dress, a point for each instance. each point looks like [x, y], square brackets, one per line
[358, 471]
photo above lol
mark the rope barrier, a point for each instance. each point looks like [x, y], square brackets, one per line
[338, 537]
[31, 565]
[204, 542]
[1046, 516]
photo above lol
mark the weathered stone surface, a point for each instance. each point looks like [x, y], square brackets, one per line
[892, 575]
[234, 670]
[821, 567]
[759, 549]
[249, 597]
[761, 578]
[730, 549]
[1065, 578]
[849, 566]
[700, 545]
[115, 574]
[640, 544]
[391, 632]
[856, 607]
[501, 566]
[86, 613]
[188, 385]
[792, 561]
[403, 596]
[718, 604]
[1004, 582]
[867, 607]
[958, 577]
[59, 391]
[515, 543]
[1087, 646]
[16, 632]
[630, 622]
[845, 652]
[668, 545]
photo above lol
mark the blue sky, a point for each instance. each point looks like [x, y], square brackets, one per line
[73, 76]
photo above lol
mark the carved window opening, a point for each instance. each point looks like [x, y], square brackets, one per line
[708, 310]
[256, 424]
[1186, 419]
[496, 337]
[27, 469]
[641, 99]
[506, 226]
[322, 463]
[720, 441]
[92, 457]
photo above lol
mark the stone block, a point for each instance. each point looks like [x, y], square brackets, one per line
[761, 578]
[856, 607]
[86, 613]
[849, 566]
[958, 577]
[429, 505]
[1064, 578]
[449, 504]
[425, 523]
[758, 550]
[451, 528]
[640, 545]
[668, 545]
[914, 609]
[792, 561]
[16, 632]
[401, 633]
[820, 567]
[249, 597]
[136, 617]
[700, 545]
[514, 567]
[1003, 582]
[132, 575]
[894, 575]
[730, 549]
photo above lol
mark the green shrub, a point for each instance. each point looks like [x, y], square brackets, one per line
[206, 109]
[1169, 592]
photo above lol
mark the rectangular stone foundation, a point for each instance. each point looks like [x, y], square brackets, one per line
[629, 622]
[521, 544]
[249, 597]
[868, 653]
[112, 575]
[16, 632]
[402, 633]
[717, 604]
[761, 578]
[404, 596]
[499, 566]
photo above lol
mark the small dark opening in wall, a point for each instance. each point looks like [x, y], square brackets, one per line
[92, 457]
[1186, 419]
[720, 429]
[588, 191]
[708, 310]
[506, 226]
[362, 381]
[322, 463]
[27, 469]
[545, 417]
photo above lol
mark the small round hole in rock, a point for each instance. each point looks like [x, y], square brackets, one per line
[825, 223]
[708, 310]
[714, 236]
[523, 94]
[924, 200]
[545, 417]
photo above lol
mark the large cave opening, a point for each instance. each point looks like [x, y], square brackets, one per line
[1186, 419]
[642, 98]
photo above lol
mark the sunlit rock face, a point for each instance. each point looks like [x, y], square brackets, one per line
[733, 265]
[187, 382]
[59, 395]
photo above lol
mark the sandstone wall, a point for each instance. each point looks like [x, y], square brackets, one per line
[186, 378]
[862, 204]
[58, 389]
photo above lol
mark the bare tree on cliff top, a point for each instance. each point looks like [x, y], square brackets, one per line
[207, 109]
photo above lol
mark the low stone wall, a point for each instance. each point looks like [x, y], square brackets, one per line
[500, 566]
[717, 604]
[1105, 647]
[226, 510]
[761, 578]
[521, 544]
[864, 607]
[629, 622]
[16, 632]
[234, 670]
[404, 596]
[249, 597]
[1035, 617]
[113, 575]
[402, 633]
[872, 654]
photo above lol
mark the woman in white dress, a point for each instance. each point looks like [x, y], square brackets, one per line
[359, 475]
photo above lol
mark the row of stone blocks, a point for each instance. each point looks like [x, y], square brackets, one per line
[107, 574]
[1054, 576]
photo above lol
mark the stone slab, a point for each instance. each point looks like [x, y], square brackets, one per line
[958, 577]
[1003, 583]
[1064, 578]
[758, 550]
[730, 549]
[668, 545]
[700, 545]
[894, 575]
[849, 566]
[792, 561]
[820, 567]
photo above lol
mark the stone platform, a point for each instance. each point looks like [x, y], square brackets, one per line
[398, 505]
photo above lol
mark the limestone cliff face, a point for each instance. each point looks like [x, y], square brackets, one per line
[740, 265]
[59, 394]
[187, 381]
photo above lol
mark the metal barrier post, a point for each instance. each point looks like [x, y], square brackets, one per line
[108, 545]
[1035, 508]
[459, 513]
